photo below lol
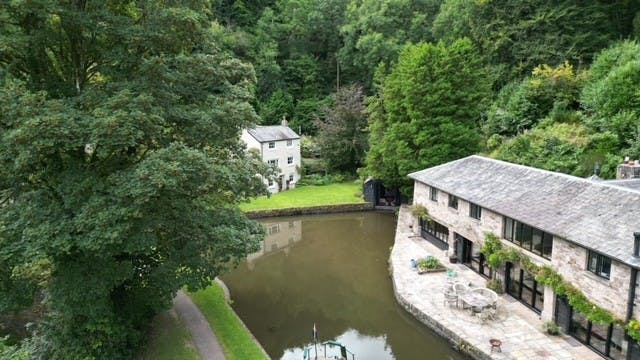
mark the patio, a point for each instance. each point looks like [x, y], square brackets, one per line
[518, 328]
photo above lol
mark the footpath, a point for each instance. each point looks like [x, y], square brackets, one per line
[203, 336]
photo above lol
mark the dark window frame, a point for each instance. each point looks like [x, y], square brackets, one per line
[272, 145]
[453, 201]
[596, 267]
[433, 194]
[433, 230]
[522, 235]
[475, 211]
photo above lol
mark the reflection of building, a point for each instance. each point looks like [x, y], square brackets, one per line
[280, 234]
[583, 230]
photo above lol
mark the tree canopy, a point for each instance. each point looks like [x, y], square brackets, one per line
[121, 165]
[428, 110]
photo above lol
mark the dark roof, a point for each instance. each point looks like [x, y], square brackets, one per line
[272, 133]
[594, 214]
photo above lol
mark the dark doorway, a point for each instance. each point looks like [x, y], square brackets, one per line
[464, 249]
[523, 286]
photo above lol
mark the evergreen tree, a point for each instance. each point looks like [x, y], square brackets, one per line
[427, 112]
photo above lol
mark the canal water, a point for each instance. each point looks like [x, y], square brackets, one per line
[331, 271]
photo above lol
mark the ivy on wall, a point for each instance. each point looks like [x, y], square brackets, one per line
[497, 256]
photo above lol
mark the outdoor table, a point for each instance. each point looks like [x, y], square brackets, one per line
[475, 301]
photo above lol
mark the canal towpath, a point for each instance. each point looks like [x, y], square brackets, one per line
[203, 336]
[517, 327]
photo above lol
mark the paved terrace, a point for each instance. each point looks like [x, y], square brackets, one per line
[519, 328]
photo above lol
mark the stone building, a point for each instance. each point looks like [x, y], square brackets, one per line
[278, 146]
[587, 231]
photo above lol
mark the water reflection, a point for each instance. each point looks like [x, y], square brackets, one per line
[330, 270]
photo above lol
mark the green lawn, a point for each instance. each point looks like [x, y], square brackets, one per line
[168, 340]
[235, 340]
[305, 196]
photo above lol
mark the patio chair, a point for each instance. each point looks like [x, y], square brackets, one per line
[450, 299]
[460, 288]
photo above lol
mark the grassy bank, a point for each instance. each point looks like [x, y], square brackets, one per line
[304, 196]
[235, 340]
[168, 340]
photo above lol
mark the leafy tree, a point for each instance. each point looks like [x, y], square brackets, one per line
[121, 165]
[295, 52]
[610, 96]
[375, 31]
[342, 132]
[520, 106]
[427, 112]
[567, 148]
[239, 12]
[516, 36]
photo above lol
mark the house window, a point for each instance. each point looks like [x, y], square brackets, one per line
[290, 178]
[434, 194]
[273, 162]
[290, 160]
[599, 264]
[289, 143]
[475, 211]
[435, 233]
[453, 201]
[274, 229]
[607, 340]
[528, 237]
[272, 145]
[270, 182]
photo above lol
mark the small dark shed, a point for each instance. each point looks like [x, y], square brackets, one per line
[375, 192]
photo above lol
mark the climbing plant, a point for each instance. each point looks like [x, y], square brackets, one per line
[497, 255]
[420, 211]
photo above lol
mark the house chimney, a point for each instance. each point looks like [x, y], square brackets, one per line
[636, 245]
[284, 121]
[596, 169]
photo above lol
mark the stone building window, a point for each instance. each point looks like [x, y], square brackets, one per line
[290, 160]
[273, 162]
[528, 237]
[289, 143]
[599, 265]
[433, 195]
[435, 233]
[272, 145]
[453, 201]
[475, 211]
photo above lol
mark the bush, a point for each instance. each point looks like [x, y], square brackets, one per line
[429, 263]
[319, 180]
[495, 285]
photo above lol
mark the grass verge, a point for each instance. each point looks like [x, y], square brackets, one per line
[305, 196]
[235, 340]
[168, 340]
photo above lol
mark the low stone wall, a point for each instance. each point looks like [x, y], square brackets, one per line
[456, 341]
[311, 210]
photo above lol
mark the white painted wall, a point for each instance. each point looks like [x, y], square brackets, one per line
[280, 152]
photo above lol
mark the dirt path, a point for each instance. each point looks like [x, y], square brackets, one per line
[203, 337]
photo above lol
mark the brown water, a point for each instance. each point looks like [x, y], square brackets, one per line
[330, 270]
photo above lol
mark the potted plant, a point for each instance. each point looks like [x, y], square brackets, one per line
[429, 264]
[552, 328]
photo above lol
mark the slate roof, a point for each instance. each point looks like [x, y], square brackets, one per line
[272, 133]
[594, 214]
[629, 183]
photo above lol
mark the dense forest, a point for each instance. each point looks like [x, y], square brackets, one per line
[550, 84]
[121, 169]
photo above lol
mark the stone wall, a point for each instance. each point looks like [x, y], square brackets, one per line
[311, 210]
[458, 220]
[570, 261]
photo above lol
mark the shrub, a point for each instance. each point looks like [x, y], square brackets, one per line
[495, 285]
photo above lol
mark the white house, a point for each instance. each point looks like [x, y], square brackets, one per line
[278, 145]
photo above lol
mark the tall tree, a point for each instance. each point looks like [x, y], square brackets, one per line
[121, 164]
[342, 135]
[374, 32]
[517, 36]
[427, 112]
